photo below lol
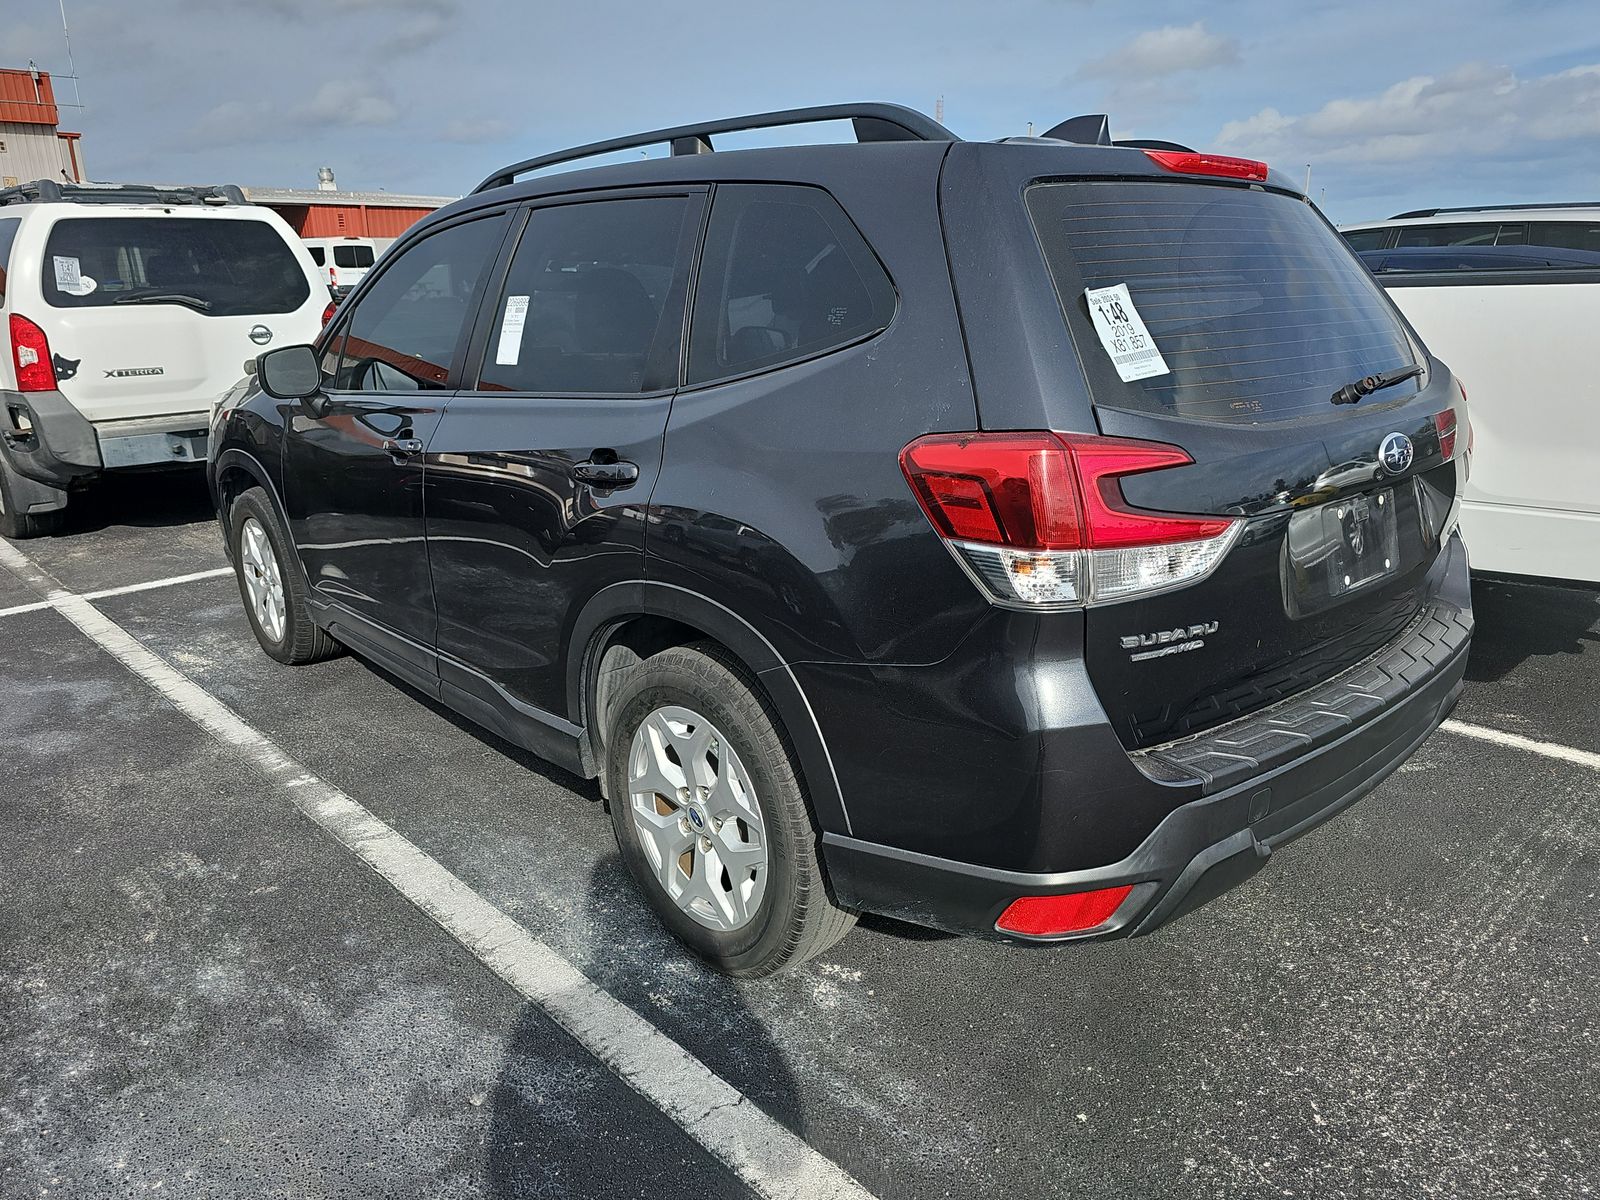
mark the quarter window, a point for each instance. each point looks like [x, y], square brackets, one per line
[1366, 239]
[403, 333]
[785, 276]
[8, 234]
[590, 302]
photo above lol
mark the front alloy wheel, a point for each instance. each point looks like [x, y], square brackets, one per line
[263, 580]
[697, 818]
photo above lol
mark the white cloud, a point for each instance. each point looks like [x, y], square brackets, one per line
[336, 104]
[345, 102]
[1164, 51]
[1475, 111]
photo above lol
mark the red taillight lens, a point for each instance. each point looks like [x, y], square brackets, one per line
[1044, 491]
[1040, 519]
[1187, 162]
[1445, 423]
[1002, 489]
[327, 313]
[1044, 916]
[30, 353]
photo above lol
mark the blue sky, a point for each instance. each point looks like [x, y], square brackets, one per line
[1393, 105]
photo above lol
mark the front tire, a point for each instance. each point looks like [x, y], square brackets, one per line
[274, 592]
[711, 817]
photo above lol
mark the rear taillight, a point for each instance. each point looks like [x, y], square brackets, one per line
[1188, 162]
[1052, 916]
[30, 354]
[1445, 423]
[327, 313]
[1040, 521]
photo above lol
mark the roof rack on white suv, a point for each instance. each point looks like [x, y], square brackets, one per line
[1473, 208]
[48, 191]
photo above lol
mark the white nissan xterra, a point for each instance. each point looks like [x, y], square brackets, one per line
[128, 309]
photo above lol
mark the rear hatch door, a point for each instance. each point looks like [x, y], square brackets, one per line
[152, 314]
[1260, 314]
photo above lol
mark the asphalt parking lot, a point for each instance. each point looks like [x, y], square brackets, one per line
[203, 993]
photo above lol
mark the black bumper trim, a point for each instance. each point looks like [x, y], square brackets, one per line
[60, 446]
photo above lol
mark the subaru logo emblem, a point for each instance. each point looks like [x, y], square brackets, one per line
[260, 335]
[696, 819]
[1395, 453]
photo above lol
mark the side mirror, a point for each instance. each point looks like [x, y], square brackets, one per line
[290, 373]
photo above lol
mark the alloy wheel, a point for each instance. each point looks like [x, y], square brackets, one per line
[263, 579]
[697, 818]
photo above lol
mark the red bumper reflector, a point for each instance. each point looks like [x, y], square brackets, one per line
[1044, 916]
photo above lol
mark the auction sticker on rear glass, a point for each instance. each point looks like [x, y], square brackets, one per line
[1122, 332]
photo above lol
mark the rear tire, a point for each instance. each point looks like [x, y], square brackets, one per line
[728, 859]
[16, 524]
[272, 587]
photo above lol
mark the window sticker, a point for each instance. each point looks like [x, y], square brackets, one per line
[69, 276]
[509, 351]
[1133, 351]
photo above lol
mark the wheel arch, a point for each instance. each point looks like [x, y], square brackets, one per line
[640, 618]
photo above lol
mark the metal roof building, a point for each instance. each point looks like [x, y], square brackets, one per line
[318, 213]
[31, 145]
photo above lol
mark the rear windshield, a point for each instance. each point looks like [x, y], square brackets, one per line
[221, 268]
[1258, 309]
[352, 256]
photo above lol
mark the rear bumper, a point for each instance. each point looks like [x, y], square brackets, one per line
[45, 439]
[1207, 846]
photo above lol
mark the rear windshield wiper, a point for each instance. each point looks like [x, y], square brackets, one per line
[193, 302]
[1351, 393]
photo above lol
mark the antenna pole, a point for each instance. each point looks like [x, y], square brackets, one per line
[938, 110]
[71, 66]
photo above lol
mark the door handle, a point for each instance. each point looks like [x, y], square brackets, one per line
[399, 448]
[606, 475]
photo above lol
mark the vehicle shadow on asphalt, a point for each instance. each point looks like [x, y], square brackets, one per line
[153, 500]
[627, 954]
[1518, 621]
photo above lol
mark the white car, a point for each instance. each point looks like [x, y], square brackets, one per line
[343, 261]
[128, 309]
[1510, 297]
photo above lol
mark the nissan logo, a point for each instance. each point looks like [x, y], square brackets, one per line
[260, 335]
[1395, 453]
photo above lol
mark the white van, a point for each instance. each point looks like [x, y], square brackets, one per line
[1509, 296]
[343, 261]
[127, 310]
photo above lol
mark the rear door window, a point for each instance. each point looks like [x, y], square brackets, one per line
[352, 256]
[1567, 235]
[219, 267]
[318, 255]
[1481, 233]
[590, 303]
[404, 332]
[1258, 308]
[785, 276]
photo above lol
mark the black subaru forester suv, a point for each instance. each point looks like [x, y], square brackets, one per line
[1023, 539]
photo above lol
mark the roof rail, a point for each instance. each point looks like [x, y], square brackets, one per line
[1472, 208]
[48, 191]
[873, 123]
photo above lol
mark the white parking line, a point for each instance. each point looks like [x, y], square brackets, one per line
[127, 589]
[765, 1155]
[158, 583]
[1515, 741]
